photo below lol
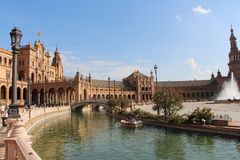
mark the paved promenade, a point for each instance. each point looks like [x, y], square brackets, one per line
[37, 113]
[233, 109]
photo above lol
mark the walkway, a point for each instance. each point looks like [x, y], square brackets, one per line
[3, 135]
[36, 114]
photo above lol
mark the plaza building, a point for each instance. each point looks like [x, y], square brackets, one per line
[196, 90]
[49, 86]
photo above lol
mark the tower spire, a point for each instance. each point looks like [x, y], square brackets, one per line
[233, 39]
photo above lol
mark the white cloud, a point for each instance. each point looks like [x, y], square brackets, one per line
[192, 63]
[179, 18]
[200, 10]
[101, 67]
[200, 72]
[103, 63]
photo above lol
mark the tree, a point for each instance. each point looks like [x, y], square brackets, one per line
[124, 103]
[170, 101]
[112, 103]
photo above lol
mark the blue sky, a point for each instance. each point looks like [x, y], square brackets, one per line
[186, 39]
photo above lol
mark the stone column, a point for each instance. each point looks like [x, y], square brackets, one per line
[7, 95]
[21, 96]
[38, 101]
[47, 98]
[65, 97]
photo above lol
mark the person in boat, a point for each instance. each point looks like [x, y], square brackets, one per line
[133, 120]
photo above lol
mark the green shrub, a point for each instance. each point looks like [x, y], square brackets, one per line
[198, 114]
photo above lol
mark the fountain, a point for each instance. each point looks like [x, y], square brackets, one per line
[230, 90]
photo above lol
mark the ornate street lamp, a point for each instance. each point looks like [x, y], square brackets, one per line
[16, 35]
[70, 92]
[108, 87]
[155, 69]
[114, 83]
[29, 93]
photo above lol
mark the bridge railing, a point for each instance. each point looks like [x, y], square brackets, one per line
[94, 101]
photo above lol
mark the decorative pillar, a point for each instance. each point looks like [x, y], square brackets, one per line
[38, 101]
[47, 98]
[21, 96]
[7, 95]
[65, 97]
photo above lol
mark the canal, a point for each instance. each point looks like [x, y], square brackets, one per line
[95, 136]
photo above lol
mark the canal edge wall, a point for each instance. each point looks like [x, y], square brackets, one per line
[40, 116]
[232, 132]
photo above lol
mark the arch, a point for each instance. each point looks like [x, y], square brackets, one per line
[25, 94]
[60, 95]
[95, 103]
[39, 78]
[21, 75]
[3, 92]
[34, 96]
[85, 94]
[133, 97]
[103, 96]
[10, 92]
[32, 77]
[42, 96]
[129, 97]
[51, 95]
[18, 93]
[94, 96]
[98, 96]
[0, 60]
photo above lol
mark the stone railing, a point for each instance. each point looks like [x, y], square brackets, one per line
[18, 143]
[18, 148]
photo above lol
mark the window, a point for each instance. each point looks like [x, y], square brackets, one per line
[5, 61]
[23, 63]
[19, 63]
[10, 62]
[0, 60]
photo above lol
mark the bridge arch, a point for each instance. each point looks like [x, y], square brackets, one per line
[94, 102]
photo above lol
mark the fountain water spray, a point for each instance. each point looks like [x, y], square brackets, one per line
[230, 90]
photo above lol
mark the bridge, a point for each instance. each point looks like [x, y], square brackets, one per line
[94, 102]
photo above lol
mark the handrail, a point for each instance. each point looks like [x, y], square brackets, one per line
[18, 148]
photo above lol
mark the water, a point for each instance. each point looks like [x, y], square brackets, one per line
[95, 136]
[230, 90]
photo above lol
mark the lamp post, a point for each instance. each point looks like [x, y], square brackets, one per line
[131, 100]
[108, 87]
[155, 69]
[96, 93]
[70, 92]
[29, 98]
[114, 83]
[16, 35]
[29, 93]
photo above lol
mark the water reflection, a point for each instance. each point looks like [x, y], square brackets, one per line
[91, 136]
[169, 143]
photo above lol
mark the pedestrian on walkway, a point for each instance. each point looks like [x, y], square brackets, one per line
[6, 111]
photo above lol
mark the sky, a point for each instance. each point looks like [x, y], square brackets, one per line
[187, 40]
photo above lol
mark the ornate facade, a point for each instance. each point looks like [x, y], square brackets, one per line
[50, 86]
